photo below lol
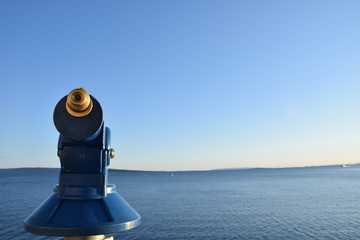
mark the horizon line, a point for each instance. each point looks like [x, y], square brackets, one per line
[208, 170]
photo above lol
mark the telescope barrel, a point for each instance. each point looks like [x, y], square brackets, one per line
[79, 103]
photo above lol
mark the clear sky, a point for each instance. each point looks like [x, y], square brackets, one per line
[186, 85]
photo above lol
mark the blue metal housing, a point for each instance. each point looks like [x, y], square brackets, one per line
[83, 203]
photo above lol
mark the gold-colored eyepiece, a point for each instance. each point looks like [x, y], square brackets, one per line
[78, 103]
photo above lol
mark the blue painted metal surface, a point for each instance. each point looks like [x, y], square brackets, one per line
[83, 203]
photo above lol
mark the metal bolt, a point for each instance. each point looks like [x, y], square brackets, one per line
[112, 153]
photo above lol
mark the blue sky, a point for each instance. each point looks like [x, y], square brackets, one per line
[186, 85]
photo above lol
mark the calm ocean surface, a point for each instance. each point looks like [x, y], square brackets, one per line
[293, 203]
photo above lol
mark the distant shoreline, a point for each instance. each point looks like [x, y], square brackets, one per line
[169, 171]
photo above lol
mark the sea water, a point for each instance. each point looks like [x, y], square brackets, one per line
[289, 203]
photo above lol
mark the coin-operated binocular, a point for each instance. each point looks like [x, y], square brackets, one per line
[83, 204]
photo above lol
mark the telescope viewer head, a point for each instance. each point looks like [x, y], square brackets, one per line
[78, 116]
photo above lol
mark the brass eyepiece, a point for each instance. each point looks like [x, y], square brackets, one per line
[78, 103]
